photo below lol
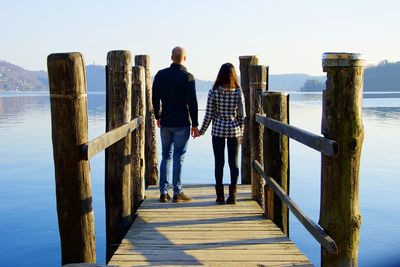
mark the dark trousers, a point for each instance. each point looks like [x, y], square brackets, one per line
[219, 156]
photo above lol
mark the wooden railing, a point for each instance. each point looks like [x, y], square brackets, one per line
[100, 143]
[314, 229]
[123, 142]
[319, 143]
[340, 147]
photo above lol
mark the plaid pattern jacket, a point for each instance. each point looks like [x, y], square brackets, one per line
[225, 108]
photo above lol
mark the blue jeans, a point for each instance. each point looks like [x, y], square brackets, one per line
[176, 138]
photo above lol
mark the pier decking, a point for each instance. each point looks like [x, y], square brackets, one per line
[203, 233]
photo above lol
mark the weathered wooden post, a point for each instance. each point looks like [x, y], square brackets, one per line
[276, 158]
[257, 85]
[246, 168]
[151, 163]
[341, 121]
[118, 156]
[69, 121]
[138, 137]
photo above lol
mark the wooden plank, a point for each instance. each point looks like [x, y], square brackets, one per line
[136, 248]
[213, 263]
[319, 143]
[203, 233]
[314, 229]
[208, 227]
[193, 255]
[105, 140]
[204, 242]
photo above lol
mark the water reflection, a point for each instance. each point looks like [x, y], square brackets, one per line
[13, 106]
[26, 173]
[390, 114]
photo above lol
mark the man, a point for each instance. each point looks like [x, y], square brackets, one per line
[174, 87]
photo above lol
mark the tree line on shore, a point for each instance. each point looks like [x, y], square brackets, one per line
[384, 77]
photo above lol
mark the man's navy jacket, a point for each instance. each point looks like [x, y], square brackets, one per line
[175, 88]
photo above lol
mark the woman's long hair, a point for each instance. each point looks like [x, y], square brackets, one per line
[227, 77]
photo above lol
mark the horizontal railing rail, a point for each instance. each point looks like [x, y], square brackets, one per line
[109, 138]
[319, 143]
[313, 228]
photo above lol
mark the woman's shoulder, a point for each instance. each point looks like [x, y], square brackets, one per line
[211, 93]
[238, 91]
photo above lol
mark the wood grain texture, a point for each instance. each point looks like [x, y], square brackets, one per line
[245, 170]
[257, 85]
[151, 161]
[276, 157]
[203, 233]
[118, 156]
[319, 143]
[138, 138]
[109, 138]
[342, 122]
[69, 122]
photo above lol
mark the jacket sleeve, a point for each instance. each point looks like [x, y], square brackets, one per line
[156, 97]
[210, 111]
[191, 101]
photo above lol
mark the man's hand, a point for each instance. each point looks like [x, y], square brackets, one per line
[195, 132]
[159, 123]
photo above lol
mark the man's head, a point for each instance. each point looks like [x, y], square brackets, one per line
[178, 55]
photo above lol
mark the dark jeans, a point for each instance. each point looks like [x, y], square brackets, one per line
[219, 156]
[174, 142]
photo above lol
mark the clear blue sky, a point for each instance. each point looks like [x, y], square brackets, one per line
[289, 36]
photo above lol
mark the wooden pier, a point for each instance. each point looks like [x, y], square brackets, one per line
[255, 232]
[203, 233]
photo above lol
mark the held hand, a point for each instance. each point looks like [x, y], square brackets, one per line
[159, 123]
[195, 132]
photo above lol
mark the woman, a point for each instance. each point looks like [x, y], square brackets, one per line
[225, 107]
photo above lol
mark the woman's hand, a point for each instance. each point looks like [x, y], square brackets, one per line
[195, 132]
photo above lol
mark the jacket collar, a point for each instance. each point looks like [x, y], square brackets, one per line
[177, 66]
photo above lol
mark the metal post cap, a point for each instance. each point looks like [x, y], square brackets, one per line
[340, 59]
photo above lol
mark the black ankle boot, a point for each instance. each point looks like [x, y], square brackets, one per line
[219, 190]
[232, 195]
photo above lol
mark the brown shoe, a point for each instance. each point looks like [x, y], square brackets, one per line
[165, 197]
[181, 198]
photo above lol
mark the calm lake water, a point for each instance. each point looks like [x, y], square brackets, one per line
[28, 219]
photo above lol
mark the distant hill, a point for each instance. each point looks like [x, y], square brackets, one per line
[290, 82]
[14, 78]
[384, 77]
[277, 82]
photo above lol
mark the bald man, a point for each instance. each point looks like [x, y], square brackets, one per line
[175, 109]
